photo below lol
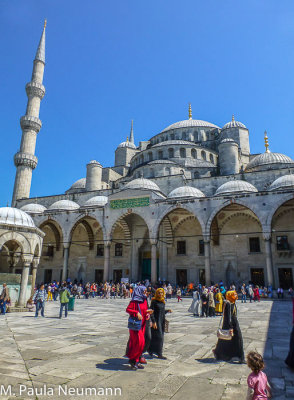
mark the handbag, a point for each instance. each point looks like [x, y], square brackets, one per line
[166, 326]
[135, 324]
[224, 334]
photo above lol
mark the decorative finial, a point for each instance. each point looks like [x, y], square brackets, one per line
[233, 117]
[266, 142]
[45, 23]
[190, 111]
[127, 139]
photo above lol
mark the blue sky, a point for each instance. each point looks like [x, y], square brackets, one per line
[110, 61]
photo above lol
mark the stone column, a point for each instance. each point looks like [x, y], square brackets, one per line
[24, 284]
[36, 261]
[269, 261]
[65, 261]
[207, 262]
[134, 262]
[164, 272]
[153, 260]
[106, 260]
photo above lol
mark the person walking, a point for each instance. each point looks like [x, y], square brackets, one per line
[64, 300]
[138, 310]
[290, 357]
[39, 299]
[258, 386]
[204, 302]
[4, 298]
[211, 303]
[218, 302]
[251, 293]
[195, 307]
[243, 292]
[179, 294]
[230, 350]
[158, 324]
[256, 294]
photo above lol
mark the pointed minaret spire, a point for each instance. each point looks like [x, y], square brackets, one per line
[25, 159]
[132, 132]
[190, 111]
[266, 142]
[40, 55]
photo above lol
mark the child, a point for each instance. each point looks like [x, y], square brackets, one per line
[258, 386]
[179, 294]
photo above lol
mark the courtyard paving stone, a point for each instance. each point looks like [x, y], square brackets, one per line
[86, 350]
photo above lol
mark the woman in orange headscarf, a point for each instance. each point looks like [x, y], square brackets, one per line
[158, 322]
[230, 350]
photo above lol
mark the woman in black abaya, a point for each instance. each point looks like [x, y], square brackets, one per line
[230, 350]
[158, 322]
[290, 358]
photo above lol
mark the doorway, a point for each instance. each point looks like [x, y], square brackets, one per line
[98, 275]
[181, 277]
[285, 278]
[48, 276]
[202, 276]
[117, 275]
[257, 276]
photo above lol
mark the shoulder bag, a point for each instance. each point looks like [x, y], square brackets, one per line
[135, 324]
[224, 334]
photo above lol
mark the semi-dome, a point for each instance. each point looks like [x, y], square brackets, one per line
[190, 123]
[236, 186]
[33, 208]
[64, 205]
[185, 191]
[283, 183]
[79, 184]
[15, 217]
[142, 183]
[127, 144]
[267, 160]
[96, 201]
[234, 124]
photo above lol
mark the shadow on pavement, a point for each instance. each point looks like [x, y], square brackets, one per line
[114, 364]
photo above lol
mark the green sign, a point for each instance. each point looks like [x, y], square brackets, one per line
[130, 203]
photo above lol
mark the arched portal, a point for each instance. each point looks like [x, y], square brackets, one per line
[130, 251]
[180, 245]
[282, 224]
[86, 254]
[237, 246]
[11, 257]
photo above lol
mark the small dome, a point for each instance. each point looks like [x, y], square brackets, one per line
[79, 184]
[64, 205]
[283, 183]
[33, 208]
[236, 186]
[234, 124]
[185, 191]
[127, 144]
[142, 183]
[190, 123]
[266, 160]
[15, 217]
[96, 201]
[93, 162]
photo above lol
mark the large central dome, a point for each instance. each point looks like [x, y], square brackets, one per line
[190, 123]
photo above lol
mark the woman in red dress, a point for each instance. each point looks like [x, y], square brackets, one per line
[256, 294]
[138, 308]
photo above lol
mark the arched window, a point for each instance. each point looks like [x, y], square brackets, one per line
[150, 156]
[141, 159]
[151, 173]
[170, 153]
[183, 153]
[211, 158]
[172, 136]
[196, 174]
[184, 136]
[194, 153]
[203, 155]
[160, 155]
[167, 170]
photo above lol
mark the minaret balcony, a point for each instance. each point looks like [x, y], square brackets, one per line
[35, 89]
[29, 122]
[24, 159]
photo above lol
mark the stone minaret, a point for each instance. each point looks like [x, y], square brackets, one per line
[25, 160]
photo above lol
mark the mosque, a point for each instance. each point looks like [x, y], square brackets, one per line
[191, 204]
